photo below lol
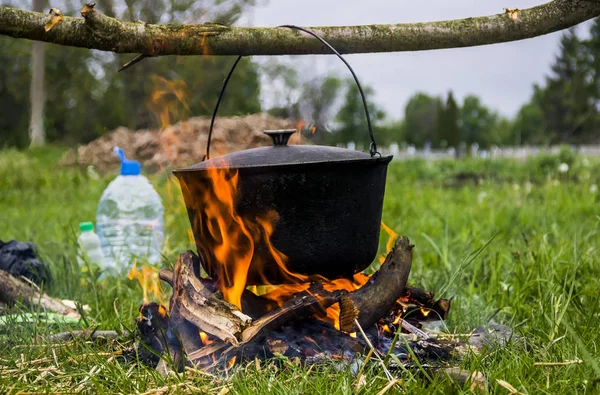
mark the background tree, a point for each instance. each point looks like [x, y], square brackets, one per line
[316, 106]
[478, 123]
[421, 119]
[565, 101]
[310, 103]
[351, 118]
[37, 92]
[448, 128]
[86, 96]
[528, 127]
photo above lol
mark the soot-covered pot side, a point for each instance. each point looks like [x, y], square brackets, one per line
[329, 212]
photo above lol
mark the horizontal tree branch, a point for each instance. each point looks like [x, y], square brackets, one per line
[98, 31]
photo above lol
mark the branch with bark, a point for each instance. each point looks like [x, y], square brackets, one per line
[13, 289]
[98, 31]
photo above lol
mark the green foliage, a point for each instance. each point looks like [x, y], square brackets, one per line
[478, 124]
[564, 108]
[448, 128]
[429, 120]
[421, 119]
[391, 131]
[352, 120]
[316, 103]
[564, 100]
[14, 76]
[86, 97]
[529, 125]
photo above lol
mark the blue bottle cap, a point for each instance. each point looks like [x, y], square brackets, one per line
[128, 167]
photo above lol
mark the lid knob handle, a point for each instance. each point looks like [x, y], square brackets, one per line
[280, 137]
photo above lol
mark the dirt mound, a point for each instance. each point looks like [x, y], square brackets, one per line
[178, 145]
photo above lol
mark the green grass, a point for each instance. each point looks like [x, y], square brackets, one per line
[533, 233]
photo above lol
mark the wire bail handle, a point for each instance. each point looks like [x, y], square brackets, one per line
[373, 146]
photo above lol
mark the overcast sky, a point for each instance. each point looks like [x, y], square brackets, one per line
[501, 74]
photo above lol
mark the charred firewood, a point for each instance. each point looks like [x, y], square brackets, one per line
[252, 305]
[198, 305]
[421, 306]
[157, 338]
[306, 339]
[315, 300]
[301, 305]
[374, 299]
[256, 306]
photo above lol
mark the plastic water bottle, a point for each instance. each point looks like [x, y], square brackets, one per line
[130, 218]
[89, 246]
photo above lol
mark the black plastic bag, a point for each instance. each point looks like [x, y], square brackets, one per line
[20, 259]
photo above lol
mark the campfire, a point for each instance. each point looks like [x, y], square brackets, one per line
[224, 309]
[285, 236]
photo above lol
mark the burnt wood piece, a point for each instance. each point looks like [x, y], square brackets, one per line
[307, 339]
[167, 276]
[198, 305]
[252, 305]
[88, 335]
[13, 289]
[314, 300]
[425, 299]
[159, 342]
[303, 304]
[375, 299]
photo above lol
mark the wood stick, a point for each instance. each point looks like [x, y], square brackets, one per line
[375, 299]
[87, 335]
[300, 305]
[98, 31]
[413, 329]
[13, 289]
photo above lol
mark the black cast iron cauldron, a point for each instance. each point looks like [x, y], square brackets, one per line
[328, 200]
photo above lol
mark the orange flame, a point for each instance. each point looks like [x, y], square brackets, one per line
[300, 125]
[168, 100]
[392, 236]
[230, 238]
[204, 339]
[282, 293]
[231, 362]
[148, 279]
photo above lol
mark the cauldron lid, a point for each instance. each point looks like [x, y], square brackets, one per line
[281, 154]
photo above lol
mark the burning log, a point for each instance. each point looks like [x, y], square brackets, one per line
[375, 299]
[252, 305]
[13, 289]
[198, 305]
